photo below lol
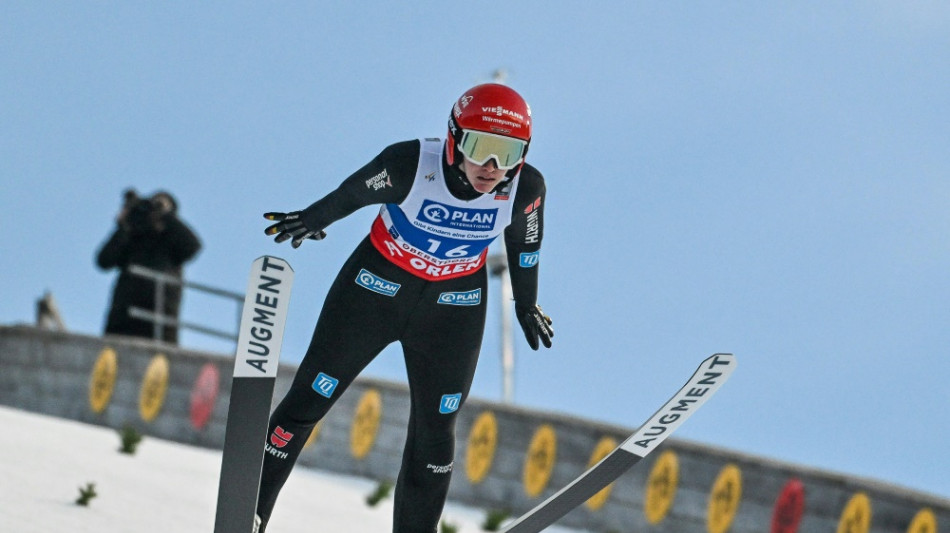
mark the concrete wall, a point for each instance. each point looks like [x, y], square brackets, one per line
[713, 490]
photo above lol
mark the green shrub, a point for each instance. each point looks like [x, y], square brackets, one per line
[381, 493]
[86, 494]
[494, 519]
[130, 439]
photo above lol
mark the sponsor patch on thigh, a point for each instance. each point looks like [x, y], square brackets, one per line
[473, 297]
[368, 280]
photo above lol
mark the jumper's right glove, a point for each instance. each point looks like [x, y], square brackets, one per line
[536, 325]
[293, 224]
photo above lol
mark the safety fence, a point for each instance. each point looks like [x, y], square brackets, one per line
[507, 458]
[159, 319]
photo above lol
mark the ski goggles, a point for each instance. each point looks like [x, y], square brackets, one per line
[478, 147]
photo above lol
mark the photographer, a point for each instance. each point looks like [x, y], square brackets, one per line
[149, 233]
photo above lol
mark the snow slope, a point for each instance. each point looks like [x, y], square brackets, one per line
[164, 487]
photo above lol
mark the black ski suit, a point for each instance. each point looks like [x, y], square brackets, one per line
[440, 322]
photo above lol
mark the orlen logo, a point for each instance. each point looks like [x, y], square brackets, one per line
[473, 297]
[448, 216]
[280, 438]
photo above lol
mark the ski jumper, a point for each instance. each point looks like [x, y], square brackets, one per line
[418, 278]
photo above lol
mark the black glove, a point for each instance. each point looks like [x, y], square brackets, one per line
[293, 224]
[536, 325]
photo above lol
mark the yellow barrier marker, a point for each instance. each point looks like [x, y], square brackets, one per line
[102, 381]
[724, 499]
[365, 423]
[661, 487]
[539, 463]
[924, 522]
[856, 517]
[482, 440]
[154, 386]
[603, 448]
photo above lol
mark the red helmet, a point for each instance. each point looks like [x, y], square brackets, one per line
[490, 121]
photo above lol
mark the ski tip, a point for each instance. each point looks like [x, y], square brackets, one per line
[274, 260]
[720, 360]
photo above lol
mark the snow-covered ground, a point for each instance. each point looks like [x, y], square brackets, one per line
[164, 487]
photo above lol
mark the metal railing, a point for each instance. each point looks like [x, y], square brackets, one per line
[497, 265]
[159, 320]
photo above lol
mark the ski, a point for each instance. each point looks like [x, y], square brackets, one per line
[711, 374]
[252, 388]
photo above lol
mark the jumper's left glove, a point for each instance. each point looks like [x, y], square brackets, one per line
[293, 224]
[536, 325]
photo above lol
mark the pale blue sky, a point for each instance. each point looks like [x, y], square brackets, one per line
[769, 179]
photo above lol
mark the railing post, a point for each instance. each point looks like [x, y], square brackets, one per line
[158, 326]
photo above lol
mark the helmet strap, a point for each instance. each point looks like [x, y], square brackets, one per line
[450, 149]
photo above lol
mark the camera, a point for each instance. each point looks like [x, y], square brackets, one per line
[143, 216]
[146, 215]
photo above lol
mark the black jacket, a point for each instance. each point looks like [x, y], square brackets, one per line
[165, 249]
